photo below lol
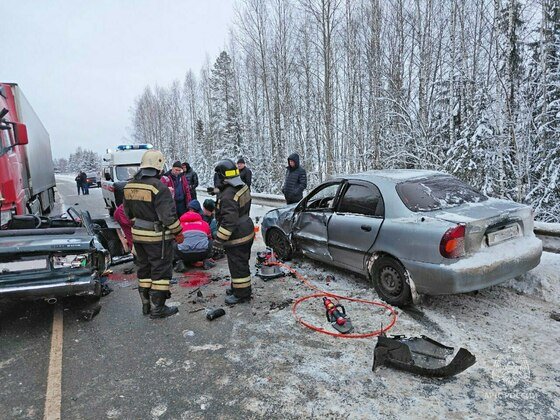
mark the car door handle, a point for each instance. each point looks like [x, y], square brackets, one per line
[367, 228]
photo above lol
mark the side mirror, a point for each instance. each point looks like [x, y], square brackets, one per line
[20, 134]
[107, 176]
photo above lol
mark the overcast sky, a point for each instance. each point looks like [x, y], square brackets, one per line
[81, 64]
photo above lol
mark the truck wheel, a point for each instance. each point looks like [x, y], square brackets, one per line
[389, 279]
[279, 243]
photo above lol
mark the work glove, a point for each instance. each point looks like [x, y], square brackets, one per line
[217, 247]
[179, 238]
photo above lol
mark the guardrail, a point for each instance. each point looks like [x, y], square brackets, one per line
[549, 234]
[258, 198]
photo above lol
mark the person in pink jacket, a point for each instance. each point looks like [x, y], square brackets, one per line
[197, 246]
[125, 223]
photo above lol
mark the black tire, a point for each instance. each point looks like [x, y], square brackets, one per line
[280, 244]
[389, 279]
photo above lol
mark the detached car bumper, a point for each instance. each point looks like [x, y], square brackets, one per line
[488, 267]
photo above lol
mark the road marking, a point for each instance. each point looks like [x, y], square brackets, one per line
[54, 379]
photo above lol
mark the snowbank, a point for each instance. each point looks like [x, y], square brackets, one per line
[543, 281]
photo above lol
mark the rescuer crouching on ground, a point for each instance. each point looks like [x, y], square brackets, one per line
[149, 203]
[235, 229]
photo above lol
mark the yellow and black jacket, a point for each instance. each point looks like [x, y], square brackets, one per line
[235, 227]
[150, 205]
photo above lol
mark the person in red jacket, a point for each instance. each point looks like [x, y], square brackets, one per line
[125, 223]
[197, 246]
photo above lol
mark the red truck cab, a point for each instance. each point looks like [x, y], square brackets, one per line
[26, 171]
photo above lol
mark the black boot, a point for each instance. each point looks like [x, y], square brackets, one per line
[145, 298]
[160, 310]
[234, 300]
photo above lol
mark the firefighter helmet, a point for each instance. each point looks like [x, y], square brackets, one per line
[152, 159]
[228, 172]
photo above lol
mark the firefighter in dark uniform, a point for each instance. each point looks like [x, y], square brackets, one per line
[150, 205]
[235, 229]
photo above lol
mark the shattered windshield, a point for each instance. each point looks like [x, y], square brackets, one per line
[437, 193]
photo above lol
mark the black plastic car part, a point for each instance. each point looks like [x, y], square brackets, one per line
[420, 355]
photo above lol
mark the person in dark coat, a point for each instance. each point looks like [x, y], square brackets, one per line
[192, 177]
[296, 180]
[181, 189]
[85, 186]
[78, 180]
[208, 209]
[245, 173]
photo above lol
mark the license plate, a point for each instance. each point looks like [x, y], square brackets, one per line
[503, 234]
[25, 265]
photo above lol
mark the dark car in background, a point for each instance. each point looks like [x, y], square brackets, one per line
[409, 232]
[92, 180]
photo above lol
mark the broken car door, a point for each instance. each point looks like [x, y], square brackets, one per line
[312, 219]
[354, 226]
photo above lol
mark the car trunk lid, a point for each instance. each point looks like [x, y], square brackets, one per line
[489, 222]
[38, 254]
[44, 240]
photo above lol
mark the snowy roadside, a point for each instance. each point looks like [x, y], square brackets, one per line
[290, 371]
[543, 281]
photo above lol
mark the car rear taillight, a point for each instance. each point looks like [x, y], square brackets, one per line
[452, 243]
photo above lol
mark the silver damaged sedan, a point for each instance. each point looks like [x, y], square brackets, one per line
[409, 232]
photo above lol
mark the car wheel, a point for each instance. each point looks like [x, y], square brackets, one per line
[389, 279]
[279, 243]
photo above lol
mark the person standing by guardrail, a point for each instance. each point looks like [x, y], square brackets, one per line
[245, 173]
[296, 180]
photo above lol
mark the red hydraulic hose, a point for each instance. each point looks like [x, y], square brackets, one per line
[322, 293]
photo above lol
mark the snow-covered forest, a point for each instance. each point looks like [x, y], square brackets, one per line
[471, 87]
[81, 160]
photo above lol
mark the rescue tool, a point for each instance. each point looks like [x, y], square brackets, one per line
[420, 355]
[336, 315]
[267, 264]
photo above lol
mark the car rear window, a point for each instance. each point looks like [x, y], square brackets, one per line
[437, 193]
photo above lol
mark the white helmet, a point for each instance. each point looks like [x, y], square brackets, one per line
[152, 159]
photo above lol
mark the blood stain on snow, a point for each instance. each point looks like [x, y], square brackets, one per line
[195, 279]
